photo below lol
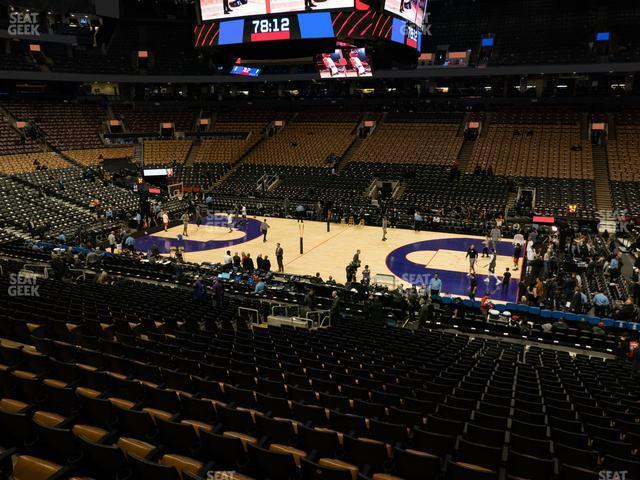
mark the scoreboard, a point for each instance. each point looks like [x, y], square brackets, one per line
[340, 25]
[223, 9]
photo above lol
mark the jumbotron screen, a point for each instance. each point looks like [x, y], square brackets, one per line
[410, 10]
[341, 25]
[223, 9]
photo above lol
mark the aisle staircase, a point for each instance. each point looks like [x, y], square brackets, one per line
[601, 178]
[464, 156]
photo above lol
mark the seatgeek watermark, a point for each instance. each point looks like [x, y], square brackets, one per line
[22, 286]
[24, 24]
[222, 475]
[410, 30]
[613, 475]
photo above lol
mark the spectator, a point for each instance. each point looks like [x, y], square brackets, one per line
[198, 289]
[334, 312]
[217, 293]
[112, 241]
[261, 286]
[601, 304]
[626, 312]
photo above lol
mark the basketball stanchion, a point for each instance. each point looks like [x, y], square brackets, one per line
[301, 231]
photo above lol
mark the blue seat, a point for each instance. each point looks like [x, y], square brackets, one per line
[592, 320]
[545, 313]
[557, 315]
[512, 307]
[570, 317]
[446, 300]
[534, 310]
[633, 326]
[617, 323]
[501, 307]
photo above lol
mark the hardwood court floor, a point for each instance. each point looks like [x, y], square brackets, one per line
[411, 257]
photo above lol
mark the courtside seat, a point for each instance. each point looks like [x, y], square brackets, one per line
[467, 471]
[329, 470]
[27, 467]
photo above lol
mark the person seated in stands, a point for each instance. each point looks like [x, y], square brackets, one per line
[237, 261]
[330, 281]
[598, 329]
[559, 325]
[103, 278]
[600, 303]
[614, 267]
[627, 311]
[261, 286]
[62, 238]
[316, 278]
[93, 258]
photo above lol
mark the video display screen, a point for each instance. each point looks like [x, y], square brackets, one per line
[345, 62]
[410, 10]
[406, 33]
[245, 71]
[301, 26]
[223, 9]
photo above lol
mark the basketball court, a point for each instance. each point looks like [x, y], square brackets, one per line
[407, 256]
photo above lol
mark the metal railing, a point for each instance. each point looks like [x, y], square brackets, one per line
[250, 313]
[285, 310]
[319, 318]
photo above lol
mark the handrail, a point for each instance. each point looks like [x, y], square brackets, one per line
[251, 311]
[287, 310]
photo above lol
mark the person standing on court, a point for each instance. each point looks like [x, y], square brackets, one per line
[185, 223]
[279, 257]
[244, 214]
[230, 221]
[165, 220]
[264, 228]
[435, 285]
[495, 235]
[385, 223]
[473, 287]
[472, 255]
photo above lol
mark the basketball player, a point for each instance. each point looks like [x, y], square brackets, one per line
[165, 220]
[384, 228]
[356, 63]
[517, 251]
[472, 255]
[329, 64]
[264, 228]
[492, 267]
[230, 221]
[185, 223]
